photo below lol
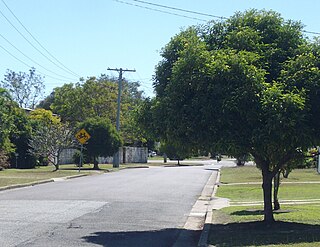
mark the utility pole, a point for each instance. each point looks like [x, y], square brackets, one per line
[116, 158]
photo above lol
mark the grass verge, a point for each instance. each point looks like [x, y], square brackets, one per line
[297, 224]
[10, 177]
[23, 176]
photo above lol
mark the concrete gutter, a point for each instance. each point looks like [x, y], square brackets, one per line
[197, 219]
[208, 218]
[215, 203]
[16, 186]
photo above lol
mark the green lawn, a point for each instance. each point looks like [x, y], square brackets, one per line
[252, 174]
[296, 187]
[240, 192]
[240, 174]
[24, 176]
[157, 157]
[297, 225]
[253, 192]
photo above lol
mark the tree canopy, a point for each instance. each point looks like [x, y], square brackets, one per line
[6, 120]
[26, 89]
[49, 136]
[97, 97]
[104, 141]
[15, 131]
[246, 85]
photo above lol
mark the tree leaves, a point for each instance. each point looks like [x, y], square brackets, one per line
[25, 89]
[249, 84]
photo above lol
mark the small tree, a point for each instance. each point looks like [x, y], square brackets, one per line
[49, 137]
[48, 141]
[104, 141]
[174, 151]
[3, 160]
[25, 89]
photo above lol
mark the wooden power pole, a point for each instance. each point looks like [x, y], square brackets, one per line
[116, 158]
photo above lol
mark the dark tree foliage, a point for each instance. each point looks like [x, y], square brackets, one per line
[47, 102]
[19, 136]
[97, 97]
[6, 120]
[104, 141]
[246, 85]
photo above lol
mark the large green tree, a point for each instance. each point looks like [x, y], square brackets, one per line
[6, 126]
[19, 137]
[15, 132]
[104, 141]
[97, 97]
[246, 85]
[6, 120]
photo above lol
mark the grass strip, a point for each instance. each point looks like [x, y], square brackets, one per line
[10, 177]
[296, 225]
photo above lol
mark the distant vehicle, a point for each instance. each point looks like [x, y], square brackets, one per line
[152, 154]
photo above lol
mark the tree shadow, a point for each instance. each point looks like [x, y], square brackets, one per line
[76, 168]
[257, 212]
[154, 238]
[260, 234]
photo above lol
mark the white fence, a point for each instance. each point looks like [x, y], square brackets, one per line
[127, 155]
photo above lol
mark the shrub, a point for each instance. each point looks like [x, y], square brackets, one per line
[4, 163]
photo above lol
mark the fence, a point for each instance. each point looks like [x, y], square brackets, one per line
[127, 155]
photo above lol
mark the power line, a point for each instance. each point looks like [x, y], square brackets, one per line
[315, 33]
[184, 10]
[21, 61]
[32, 59]
[158, 10]
[24, 37]
[75, 74]
[179, 9]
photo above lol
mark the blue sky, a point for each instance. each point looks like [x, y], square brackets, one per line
[87, 37]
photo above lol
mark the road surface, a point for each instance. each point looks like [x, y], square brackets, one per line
[134, 207]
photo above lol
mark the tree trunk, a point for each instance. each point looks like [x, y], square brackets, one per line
[95, 164]
[267, 194]
[286, 172]
[57, 161]
[56, 167]
[276, 185]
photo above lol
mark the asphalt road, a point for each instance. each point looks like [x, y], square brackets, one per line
[134, 207]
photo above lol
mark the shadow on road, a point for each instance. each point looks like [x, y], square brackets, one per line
[156, 238]
[260, 234]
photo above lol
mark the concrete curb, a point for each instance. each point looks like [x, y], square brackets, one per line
[197, 217]
[76, 176]
[134, 167]
[203, 241]
[16, 186]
